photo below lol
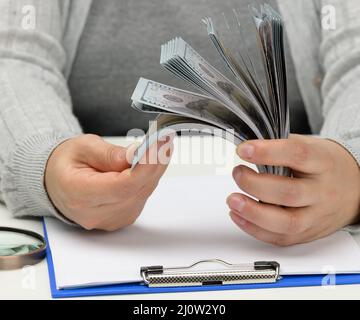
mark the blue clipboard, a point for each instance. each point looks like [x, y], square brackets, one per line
[138, 288]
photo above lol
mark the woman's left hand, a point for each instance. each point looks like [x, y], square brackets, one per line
[321, 198]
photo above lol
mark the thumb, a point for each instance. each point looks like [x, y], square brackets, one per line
[107, 157]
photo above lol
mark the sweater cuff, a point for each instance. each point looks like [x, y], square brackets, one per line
[353, 147]
[23, 186]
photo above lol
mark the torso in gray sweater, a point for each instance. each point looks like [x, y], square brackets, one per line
[121, 41]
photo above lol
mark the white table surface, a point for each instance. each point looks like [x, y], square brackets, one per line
[34, 283]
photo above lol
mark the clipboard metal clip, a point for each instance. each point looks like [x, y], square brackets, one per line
[257, 272]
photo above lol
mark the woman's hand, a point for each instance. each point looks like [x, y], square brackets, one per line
[90, 183]
[323, 196]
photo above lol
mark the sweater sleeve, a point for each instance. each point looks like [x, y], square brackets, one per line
[340, 58]
[35, 105]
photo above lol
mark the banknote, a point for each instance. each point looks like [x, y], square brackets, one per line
[151, 96]
[180, 58]
[237, 101]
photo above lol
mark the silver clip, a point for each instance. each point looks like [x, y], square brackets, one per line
[258, 272]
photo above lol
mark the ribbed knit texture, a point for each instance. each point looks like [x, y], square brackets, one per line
[23, 189]
[35, 105]
[328, 67]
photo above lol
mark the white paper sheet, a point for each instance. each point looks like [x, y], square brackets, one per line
[186, 220]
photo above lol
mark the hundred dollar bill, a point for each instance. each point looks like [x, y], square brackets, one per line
[246, 75]
[241, 105]
[154, 97]
[184, 111]
[181, 59]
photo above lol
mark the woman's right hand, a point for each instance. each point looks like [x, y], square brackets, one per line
[90, 183]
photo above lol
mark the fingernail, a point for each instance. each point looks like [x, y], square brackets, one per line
[236, 203]
[246, 151]
[237, 173]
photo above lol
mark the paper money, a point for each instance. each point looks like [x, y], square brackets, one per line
[151, 96]
[242, 105]
[180, 58]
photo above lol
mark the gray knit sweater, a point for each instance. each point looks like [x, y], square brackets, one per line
[36, 109]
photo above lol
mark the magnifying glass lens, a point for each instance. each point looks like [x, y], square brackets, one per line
[19, 248]
[13, 244]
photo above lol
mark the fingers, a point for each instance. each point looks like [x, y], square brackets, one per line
[269, 217]
[290, 192]
[264, 235]
[259, 233]
[279, 239]
[154, 162]
[108, 217]
[89, 185]
[299, 153]
[113, 217]
[94, 187]
[103, 156]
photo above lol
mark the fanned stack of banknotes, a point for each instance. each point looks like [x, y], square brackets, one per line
[242, 106]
